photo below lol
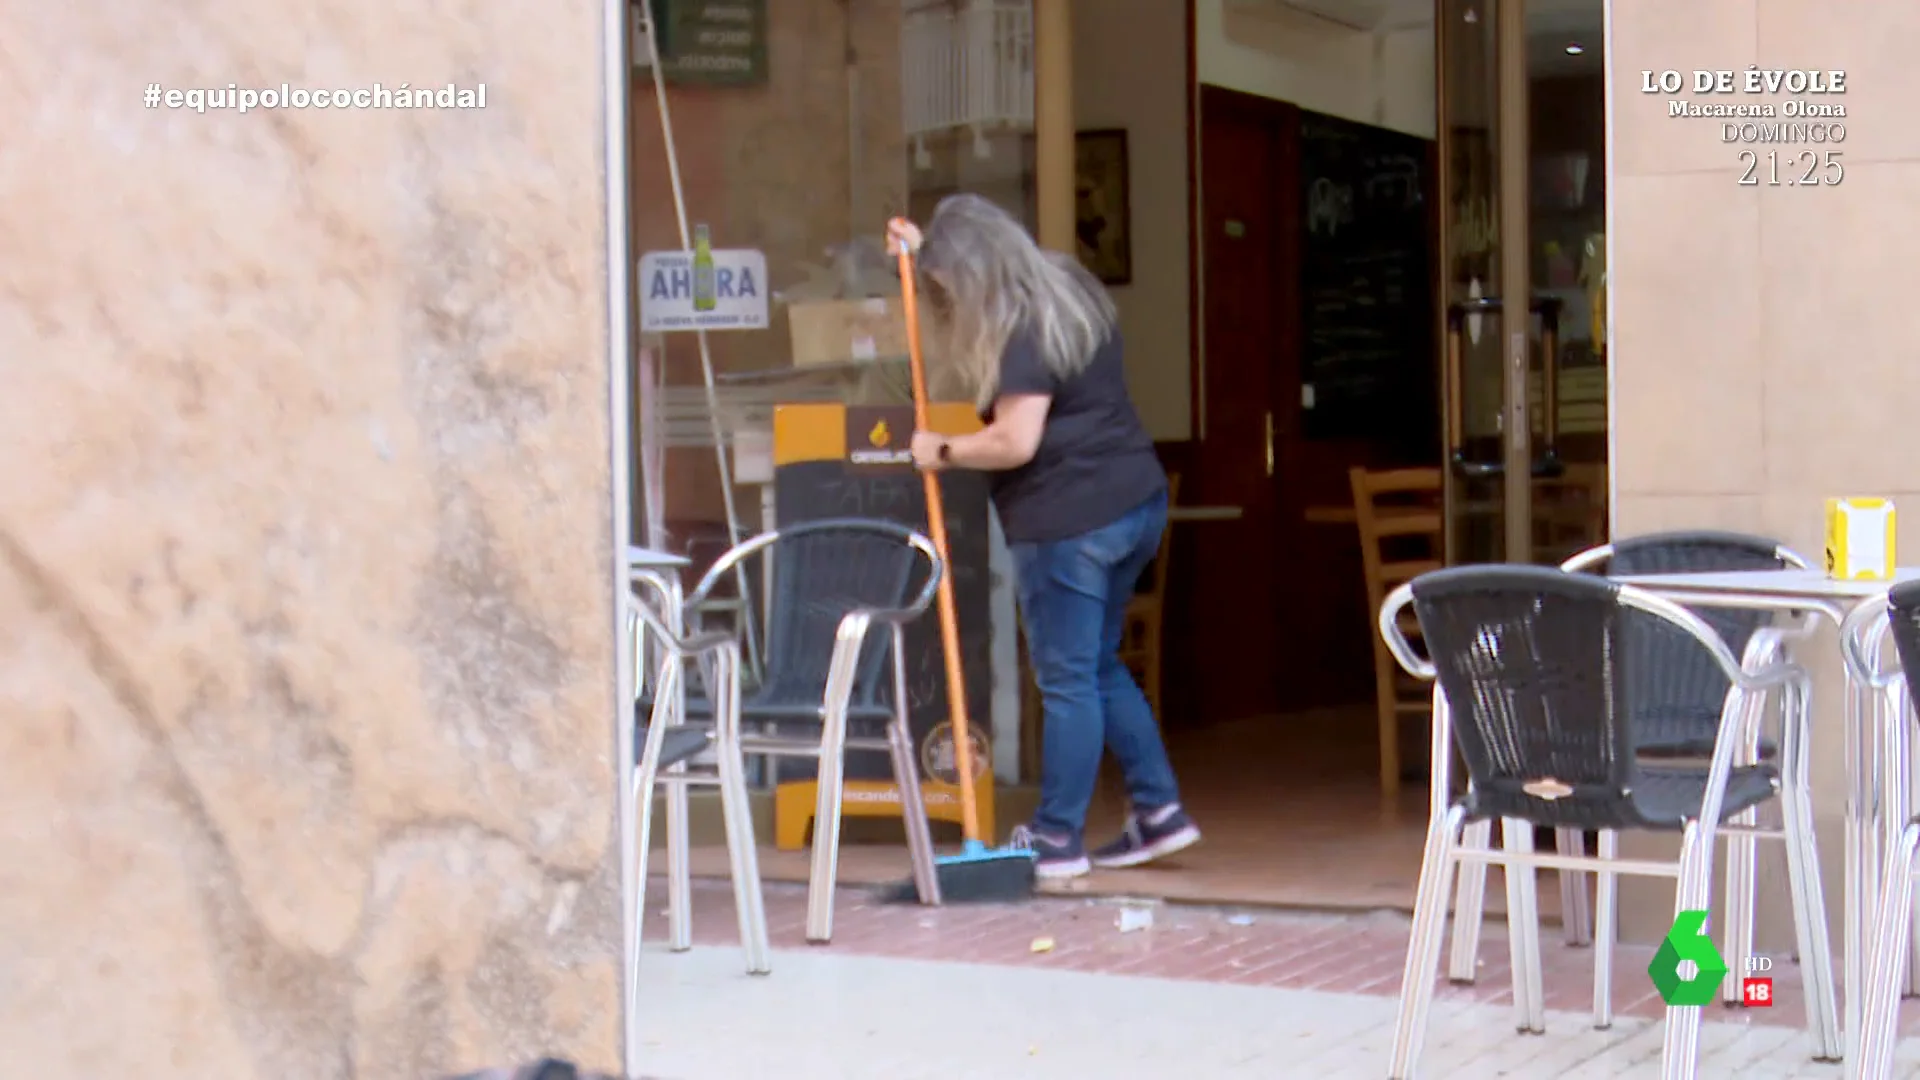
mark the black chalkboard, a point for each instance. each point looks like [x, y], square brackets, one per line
[1366, 284]
[813, 490]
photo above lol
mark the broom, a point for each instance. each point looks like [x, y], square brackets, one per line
[978, 872]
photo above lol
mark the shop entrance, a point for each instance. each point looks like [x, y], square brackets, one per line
[1350, 270]
[1279, 746]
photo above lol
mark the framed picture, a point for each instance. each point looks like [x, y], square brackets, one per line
[1102, 210]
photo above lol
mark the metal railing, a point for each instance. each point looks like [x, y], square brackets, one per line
[966, 64]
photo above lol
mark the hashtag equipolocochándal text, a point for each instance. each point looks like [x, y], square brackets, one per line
[378, 96]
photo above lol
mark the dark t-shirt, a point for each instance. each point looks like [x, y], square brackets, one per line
[1095, 461]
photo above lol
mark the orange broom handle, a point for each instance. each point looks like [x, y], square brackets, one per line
[937, 532]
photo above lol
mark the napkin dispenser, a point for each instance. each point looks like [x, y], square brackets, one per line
[1860, 539]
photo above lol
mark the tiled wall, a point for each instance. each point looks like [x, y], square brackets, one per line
[306, 674]
[1763, 336]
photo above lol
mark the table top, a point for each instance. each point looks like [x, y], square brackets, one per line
[639, 558]
[1788, 584]
[1205, 513]
[1345, 514]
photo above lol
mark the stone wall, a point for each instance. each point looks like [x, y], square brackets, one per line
[305, 653]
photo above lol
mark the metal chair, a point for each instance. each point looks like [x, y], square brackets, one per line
[668, 741]
[1676, 698]
[831, 582]
[1894, 942]
[1540, 665]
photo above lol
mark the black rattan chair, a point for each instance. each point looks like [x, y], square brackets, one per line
[1892, 946]
[828, 685]
[1534, 669]
[1675, 698]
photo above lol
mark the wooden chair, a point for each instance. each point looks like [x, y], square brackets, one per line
[1395, 510]
[1140, 646]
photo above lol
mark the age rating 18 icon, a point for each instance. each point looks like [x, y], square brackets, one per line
[1756, 990]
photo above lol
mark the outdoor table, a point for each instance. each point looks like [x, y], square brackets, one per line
[1812, 591]
[660, 571]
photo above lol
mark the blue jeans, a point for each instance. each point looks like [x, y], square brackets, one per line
[1073, 601]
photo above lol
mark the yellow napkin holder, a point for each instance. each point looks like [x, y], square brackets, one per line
[1860, 539]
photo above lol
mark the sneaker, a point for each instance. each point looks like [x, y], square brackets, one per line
[1054, 859]
[1149, 836]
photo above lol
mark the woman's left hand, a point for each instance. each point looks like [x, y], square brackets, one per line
[926, 450]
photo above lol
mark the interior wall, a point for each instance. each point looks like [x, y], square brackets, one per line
[1760, 333]
[998, 166]
[1384, 78]
[306, 562]
[1130, 71]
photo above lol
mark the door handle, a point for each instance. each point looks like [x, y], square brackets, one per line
[1547, 463]
[1545, 467]
[1269, 443]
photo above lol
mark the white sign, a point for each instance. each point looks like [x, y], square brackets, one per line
[738, 300]
[753, 457]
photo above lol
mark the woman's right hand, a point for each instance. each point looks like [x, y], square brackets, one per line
[901, 232]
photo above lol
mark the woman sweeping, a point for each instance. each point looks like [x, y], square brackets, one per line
[1082, 499]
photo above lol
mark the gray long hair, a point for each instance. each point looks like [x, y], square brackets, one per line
[985, 280]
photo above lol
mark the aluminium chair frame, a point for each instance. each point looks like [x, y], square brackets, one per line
[1599, 926]
[718, 656]
[1446, 849]
[1893, 952]
[830, 750]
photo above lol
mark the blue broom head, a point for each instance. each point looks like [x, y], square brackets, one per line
[973, 851]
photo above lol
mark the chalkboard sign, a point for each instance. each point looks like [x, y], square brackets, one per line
[815, 490]
[711, 42]
[1366, 283]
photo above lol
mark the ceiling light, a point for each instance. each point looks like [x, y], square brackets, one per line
[1574, 48]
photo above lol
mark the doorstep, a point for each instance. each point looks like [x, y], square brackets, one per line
[1012, 803]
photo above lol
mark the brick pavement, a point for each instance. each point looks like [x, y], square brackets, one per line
[1301, 970]
[1358, 953]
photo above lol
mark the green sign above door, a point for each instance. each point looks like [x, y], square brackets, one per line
[709, 42]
